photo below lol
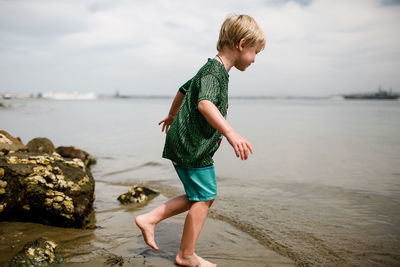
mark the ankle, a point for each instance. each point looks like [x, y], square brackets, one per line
[185, 254]
[145, 218]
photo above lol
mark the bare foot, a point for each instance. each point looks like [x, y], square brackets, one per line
[204, 262]
[147, 230]
[193, 261]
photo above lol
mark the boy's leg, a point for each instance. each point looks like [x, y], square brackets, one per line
[193, 224]
[147, 222]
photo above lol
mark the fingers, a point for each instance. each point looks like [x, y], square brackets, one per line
[236, 148]
[239, 150]
[242, 150]
[251, 149]
[165, 126]
[163, 121]
[246, 152]
[166, 123]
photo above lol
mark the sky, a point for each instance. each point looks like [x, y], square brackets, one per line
[314, 47]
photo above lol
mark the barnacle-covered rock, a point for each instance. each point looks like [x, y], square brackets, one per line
[40, 252]
[137, 194]
[58, 199]
[48, 202]
[45, 188]
[41, 145]
[74, 152]
[2, 206]
[10, 143]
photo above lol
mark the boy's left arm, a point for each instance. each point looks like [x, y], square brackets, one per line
[215, 118]
[173, 111]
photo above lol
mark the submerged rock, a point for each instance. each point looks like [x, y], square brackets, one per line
[115, 260]
[40, 252]
[45, 188]
[74, 152]
[137, 194]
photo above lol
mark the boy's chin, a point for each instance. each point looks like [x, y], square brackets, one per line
[241, 68]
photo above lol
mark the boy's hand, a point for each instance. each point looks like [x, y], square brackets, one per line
[240, 145]
[166, 122]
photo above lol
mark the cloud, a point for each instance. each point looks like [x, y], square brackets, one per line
[391, 2]
[37, 21]
[331, 47]
[315, 47]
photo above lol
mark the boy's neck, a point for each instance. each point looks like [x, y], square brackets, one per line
[228, 57]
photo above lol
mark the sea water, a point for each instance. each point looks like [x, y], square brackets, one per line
[322, 187]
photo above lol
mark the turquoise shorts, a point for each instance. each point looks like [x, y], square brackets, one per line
[200, 183]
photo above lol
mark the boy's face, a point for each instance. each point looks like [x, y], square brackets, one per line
[247, 56]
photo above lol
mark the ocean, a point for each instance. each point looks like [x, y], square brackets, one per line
[322, 187]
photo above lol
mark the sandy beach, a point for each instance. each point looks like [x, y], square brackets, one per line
[116, 239]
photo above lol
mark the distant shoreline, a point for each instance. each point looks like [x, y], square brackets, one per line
[93, 96]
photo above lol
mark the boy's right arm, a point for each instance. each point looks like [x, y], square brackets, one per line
[176, 104]
[214, 117]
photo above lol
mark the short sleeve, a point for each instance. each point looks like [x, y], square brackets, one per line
[209, 89]
[184, 88]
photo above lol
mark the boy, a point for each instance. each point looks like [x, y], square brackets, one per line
[194, 126]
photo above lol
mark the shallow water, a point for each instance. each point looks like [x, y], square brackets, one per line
[323, 186]
[116, 238]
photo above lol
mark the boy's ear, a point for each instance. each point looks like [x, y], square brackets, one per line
[240, 45]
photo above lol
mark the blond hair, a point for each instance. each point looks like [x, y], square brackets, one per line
[238, 27]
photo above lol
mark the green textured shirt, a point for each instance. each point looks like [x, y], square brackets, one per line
[191, 141]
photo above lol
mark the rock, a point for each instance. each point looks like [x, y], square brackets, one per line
[10, 143]
[45, 188]
[74, 152]
[115, 260]
[41, 145]
[40, 252]
[137, 194]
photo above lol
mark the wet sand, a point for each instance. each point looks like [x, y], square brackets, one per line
[117, 239]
